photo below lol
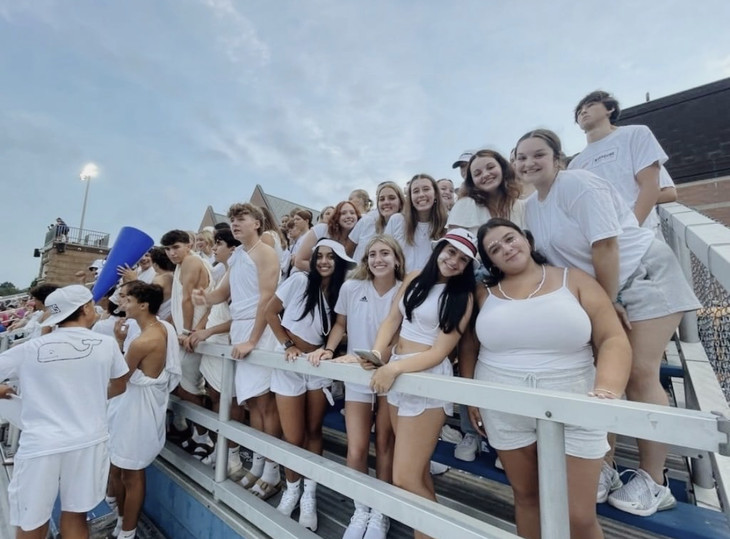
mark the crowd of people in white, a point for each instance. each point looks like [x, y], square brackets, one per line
[546, 272]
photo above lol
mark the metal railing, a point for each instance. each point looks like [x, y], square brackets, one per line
[76, 236]
[553, 410]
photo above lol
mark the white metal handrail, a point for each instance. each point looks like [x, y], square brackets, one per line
[551, 409]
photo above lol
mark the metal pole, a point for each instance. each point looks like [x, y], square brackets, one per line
[553, 479]
[87, 179]
[224, 414]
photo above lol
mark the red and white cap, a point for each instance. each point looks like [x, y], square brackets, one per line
[463, 240]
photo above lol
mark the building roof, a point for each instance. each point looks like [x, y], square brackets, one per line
[278, 206]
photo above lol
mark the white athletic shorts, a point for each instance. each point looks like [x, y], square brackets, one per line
[191, 380]
[251, 380]
[211, 367]
[413, 405]
[509, 431]
[80, 476]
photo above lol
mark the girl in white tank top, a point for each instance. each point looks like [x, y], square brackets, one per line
[535, 329]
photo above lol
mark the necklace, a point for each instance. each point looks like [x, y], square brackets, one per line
[542, 282]
[254, 246]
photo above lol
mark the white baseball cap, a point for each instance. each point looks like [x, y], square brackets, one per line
[462, 239]
[337, 247]
[463, 158]
[97, 264]
[61, 303]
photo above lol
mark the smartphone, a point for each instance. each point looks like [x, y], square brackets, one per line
[368, 355]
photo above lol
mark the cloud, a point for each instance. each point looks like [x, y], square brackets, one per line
[237, 35]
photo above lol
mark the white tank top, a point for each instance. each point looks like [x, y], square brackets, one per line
[548, 332]
[424, 325]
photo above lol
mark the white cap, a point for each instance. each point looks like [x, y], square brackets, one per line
[463, 240]
[337, 248]
[61, 303]
[463, 158]
[98, 264]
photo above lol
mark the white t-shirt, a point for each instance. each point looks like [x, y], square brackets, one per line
[417, 254]
[466, 213]
[619, 157]
[291, 293]
[361, 233]
[579, 210]
[365, 310]
[63, 378]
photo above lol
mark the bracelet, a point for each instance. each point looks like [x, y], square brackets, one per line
[605, 391]
[620, 300]
[330, 351]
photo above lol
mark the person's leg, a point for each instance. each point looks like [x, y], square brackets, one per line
[415, 442]
[520, 465]
[74, 525]
[292, 412]
[582, 484]
[648, 340]
[39, 533]
[264, 414]
[384, 442]
[134, 486]
[358, 417]
[316, 408]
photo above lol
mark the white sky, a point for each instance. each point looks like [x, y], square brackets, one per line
[185, 103]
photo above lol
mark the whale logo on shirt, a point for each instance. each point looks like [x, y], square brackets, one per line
[62, 351]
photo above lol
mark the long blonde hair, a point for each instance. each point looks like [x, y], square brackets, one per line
[380, 222]
[362, 271]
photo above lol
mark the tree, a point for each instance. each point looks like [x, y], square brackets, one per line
[8, 289]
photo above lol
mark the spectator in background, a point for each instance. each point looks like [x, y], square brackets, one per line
[446, 190]
[361, 200]
[61, 230]
[325, 214]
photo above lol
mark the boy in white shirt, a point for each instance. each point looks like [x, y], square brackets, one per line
[64, 378]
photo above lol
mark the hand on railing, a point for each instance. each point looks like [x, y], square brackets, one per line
[383, 378]
[320, 354]
[602, 393]
[241, 350]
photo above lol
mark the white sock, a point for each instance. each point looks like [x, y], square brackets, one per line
[257, 465]
[292, 485]
[111, 501]
[201, 438]
[179, 422]
[117, 527]
[131, 534]
[271, 474]
[234, 453]
[310, 487]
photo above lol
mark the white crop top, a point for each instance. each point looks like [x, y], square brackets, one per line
[548, 332]
[424, 325]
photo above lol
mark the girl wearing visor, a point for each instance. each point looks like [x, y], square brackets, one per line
[432, 310]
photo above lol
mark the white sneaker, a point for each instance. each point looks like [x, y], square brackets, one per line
[498, 464]
[308, 510]
[289, 501]
[642, 496]
[608, 481]
[436, 468]
[467, 448]
[358, 524]
[378, 526]
[450, 435]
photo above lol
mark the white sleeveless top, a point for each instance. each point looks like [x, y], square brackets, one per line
[424, 325]
[544, 333]
[244, 281]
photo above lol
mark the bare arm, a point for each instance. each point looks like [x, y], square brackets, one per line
[390, 326]
[221, 293]
[667, 194]
[605, 257]
[191, 277]
[304, 253]
[333, 341]
[648, 180]
[613, 351]
[468, 344]
[267, 267]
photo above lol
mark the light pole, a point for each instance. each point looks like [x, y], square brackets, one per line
[89, 171]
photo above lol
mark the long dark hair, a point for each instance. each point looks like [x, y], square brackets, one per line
[500, 203]
[453, 300]
[313, 293]
[495, 274]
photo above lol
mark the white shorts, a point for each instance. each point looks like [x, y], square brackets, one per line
[191, 379]
[79, 475]
[509, 431]
[251, 380]
[658, 287]
[211, 367]
[413, 405]
[359, 393]
[293, 384]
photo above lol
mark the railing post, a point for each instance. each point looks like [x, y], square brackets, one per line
[224, 414]
[688, 331]
[552, 477]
